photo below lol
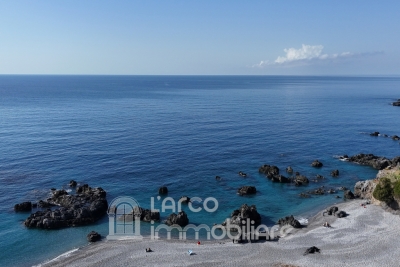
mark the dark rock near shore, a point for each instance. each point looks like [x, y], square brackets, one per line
[24, 206]
[348, 195]
[289, 169]
[243, 213]
[73, 183]
[289, 220]
[374, 134]
[146, 215]
[341, 214]
[316, 164]
[163, 190]
[247, 190]
[180, 219]
[396, 103]
[85, 207]
[93, 236]
[330, 211]
[335, 173]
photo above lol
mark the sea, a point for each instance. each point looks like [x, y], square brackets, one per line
[131, 135]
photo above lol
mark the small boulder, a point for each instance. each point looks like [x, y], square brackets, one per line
[300, 180]
[247, 190]
[289, 169]
[93, 236]
[335, 173]
[374, 134]
[341, 214]
[311, 250]
[184, 199]
[395, 137]
[316, 164]
[73, 183]
[163, 190]
[269, 170]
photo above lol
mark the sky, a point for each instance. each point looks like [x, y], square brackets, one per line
[208, 37]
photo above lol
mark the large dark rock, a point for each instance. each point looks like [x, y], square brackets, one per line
[93, 236]
[396, 103]
[163, 190]
[24, 206]
[289, 220]
[243, 213]
[316, 164]
[73, 183]
[300, 180]
[348, 194]
[341, 214]
[269, 170]
[180, 219]
[85, 207]
[335, 173]
[247, 190]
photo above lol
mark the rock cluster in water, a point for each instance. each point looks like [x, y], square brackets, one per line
[374, 161]
[272, 173]
[85, 207]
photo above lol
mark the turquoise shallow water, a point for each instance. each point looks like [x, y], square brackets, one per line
[132, 134]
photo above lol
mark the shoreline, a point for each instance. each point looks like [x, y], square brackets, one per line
[364, 238]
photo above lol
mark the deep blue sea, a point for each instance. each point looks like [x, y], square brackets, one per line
[133, 134]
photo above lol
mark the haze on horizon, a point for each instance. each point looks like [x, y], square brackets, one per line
[200, 38]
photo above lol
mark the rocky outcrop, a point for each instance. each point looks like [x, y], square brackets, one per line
[374, 161]
[24, 206]
[247, 190]
[341, 214]
[85, 207]
[243, 213]
[146, 215]
[289, 220]
[396, 103]
[163, 190]
[348, 195]
[395, 137]
[180, 219]
[364, 189]
[316, 164]
[374, 134]
[73, 183]
[93, 236]
[289, 169]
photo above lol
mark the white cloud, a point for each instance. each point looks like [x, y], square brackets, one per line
[308, 54]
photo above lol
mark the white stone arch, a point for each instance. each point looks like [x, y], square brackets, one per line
[122, 224]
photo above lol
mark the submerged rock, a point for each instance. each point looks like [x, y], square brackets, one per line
[163, 190]
[335, 173]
